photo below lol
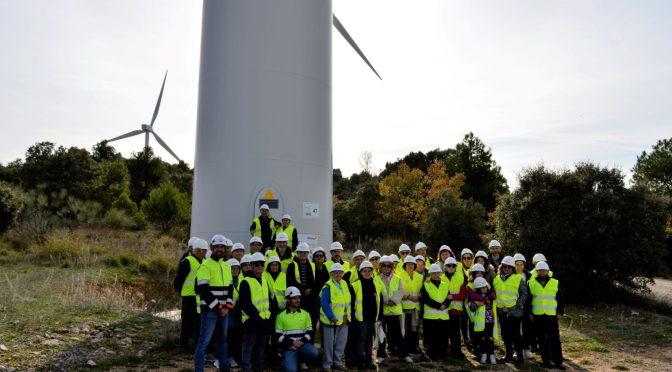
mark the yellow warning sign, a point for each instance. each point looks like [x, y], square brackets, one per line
[269, 194]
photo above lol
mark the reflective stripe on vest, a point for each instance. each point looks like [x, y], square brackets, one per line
[340, 302]
[391, 291]
[455, 284]
[259, 297]
[544, 301]
[359, 299]
[293, 325]
[217, 274]
[188, 287]
[278, 287]
[438, 294]
[478, 318]
[412, 287]
[507, 290]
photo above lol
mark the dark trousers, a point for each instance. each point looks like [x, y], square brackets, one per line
[464, 327]
[364, 334]
[191, 322]
[484, 340]
[548, 333]
[434, 333]
[511, 335]
[395, 343]
[529, 336]
[454, 334]
[235, 341]
[411, 339]
[253, 350]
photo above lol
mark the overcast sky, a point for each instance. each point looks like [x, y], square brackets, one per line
[537, 81]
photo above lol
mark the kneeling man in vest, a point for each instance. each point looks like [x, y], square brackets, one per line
[294, 331]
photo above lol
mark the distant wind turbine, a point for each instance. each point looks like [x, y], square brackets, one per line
[147, 129]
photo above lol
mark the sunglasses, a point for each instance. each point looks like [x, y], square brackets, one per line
[255, 264]
[453, 266]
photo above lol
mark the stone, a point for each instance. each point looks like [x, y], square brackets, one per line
[91, 363]
[3, 348]
[51, 342]
[127, 340]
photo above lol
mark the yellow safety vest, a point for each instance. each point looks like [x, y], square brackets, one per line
[257, 226]
[359, 298]
[412, 287]
[478, 318]
[259, 297]
[391, 291]
[289, 231]
[455, 283]
[217, 274]
[293, 325]
[437, 294]
[354, 274]
[345, 264]
[507, 290]
[533, 273]
[188, 287]
[277, 287]
[340, 301]
[461, 269]
[544, 301]
[284, 263]
[297, 275]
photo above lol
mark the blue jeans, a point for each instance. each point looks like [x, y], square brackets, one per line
[211, 322]
[291, 359]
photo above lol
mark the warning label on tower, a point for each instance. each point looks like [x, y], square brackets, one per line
[311, 210]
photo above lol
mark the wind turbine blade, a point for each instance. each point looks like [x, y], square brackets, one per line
[160, 141]
[158, 102]
[346, 35]
[129, 134]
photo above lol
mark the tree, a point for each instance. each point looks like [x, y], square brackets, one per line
[103, 151]
[596, 234]
[167, 207]
[182, 177]
[654, 170]
[402, 200]
[112, 181]
[453, 221]
[147, 172]
[9, 208]
[357, 216]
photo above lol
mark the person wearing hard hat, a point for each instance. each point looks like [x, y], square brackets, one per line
[545, 307]
[336, 250]
[395, 263]
[528, 337]
[245, 264]
[294, 333]
[539, 257]
[483, 310]
[301, 274]
[256, 307]
[282, 251]
[410, 303]
[490, 272]
[228, 247]
[277, 283]
[264, 226]
[463, 266]
[511, 296]
[458, 293]
[185, 285]
[238, 251]
[190, 245]
[420, 266]
[290, 230]
[321, 278]
[404, 251]
[334, 317]
[444, 253]
[495, 249]
[353, 275]
[392, 294]
[256, 245]
[366, 303]
[235, 337]
[421, 250]
[374, 258]
[435, 315]
[213, 285]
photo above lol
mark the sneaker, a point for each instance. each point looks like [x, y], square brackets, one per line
[216, 364]
[408, 359]
[380, 360]
[527, 354]
[484, 358]
[233, 363]
[302, 366]
[492, 359]
[210, 358]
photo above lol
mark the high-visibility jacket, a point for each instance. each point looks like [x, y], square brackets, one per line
[259, 297]
[507, 290]
[217, 275]
[284, 263]
[544, 301]
[345, 264]
[278, 287]
[455, 283]
[478, 318]
[354, 274]
[412, 287]
[293, 325]
[462, 269]
[257, 226]
[339, 301]
[189, 286]
[289, 231]
[533, 273]
[438, 294]
[390, 291]
[359, 299]
[297, 275]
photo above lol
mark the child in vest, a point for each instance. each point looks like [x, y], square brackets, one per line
[484, 317]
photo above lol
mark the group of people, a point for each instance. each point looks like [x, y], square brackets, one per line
[268, 303]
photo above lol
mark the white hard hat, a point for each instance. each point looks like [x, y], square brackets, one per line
[233, 262]
[273, 259]
[282, 237]
[409, 259]
[404, 248]
[358, 253]
[466, 251]
[238, 246]
[200, 244]
[286, 217]
[365, 265]
[477, 267]
[481, 254]
[538, 257]
[541, 265]
[292, 292]
[264, 206]
[480, 283]
[191, 241]
[419, 258]
[229, 242]
[445, 248]
[336, 246]
[508, 260]
[318, 249]
[394, 257]
[257, 257]
[256, 239]
[435, 268]
[386, 259]
[420, 245]
[336, 267]
[450, 261]
[218, 239]
[518, 257]
[245, 260]
[373, 254]
[303, 247]
[494, 243]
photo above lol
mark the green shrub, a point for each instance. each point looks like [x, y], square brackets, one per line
[118, 219]
[9, 207]
[167, 207]
[59, 248]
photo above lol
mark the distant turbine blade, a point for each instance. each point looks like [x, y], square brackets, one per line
[158, 102]
[129, 134]
[346, 35]
[160, 141]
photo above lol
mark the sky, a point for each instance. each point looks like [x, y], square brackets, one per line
[540, 82]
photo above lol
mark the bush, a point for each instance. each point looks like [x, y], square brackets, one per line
[118, 219]
[167, 207]
[60, 247]
[9, 207]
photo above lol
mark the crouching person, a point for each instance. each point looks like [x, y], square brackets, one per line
[294, 332]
